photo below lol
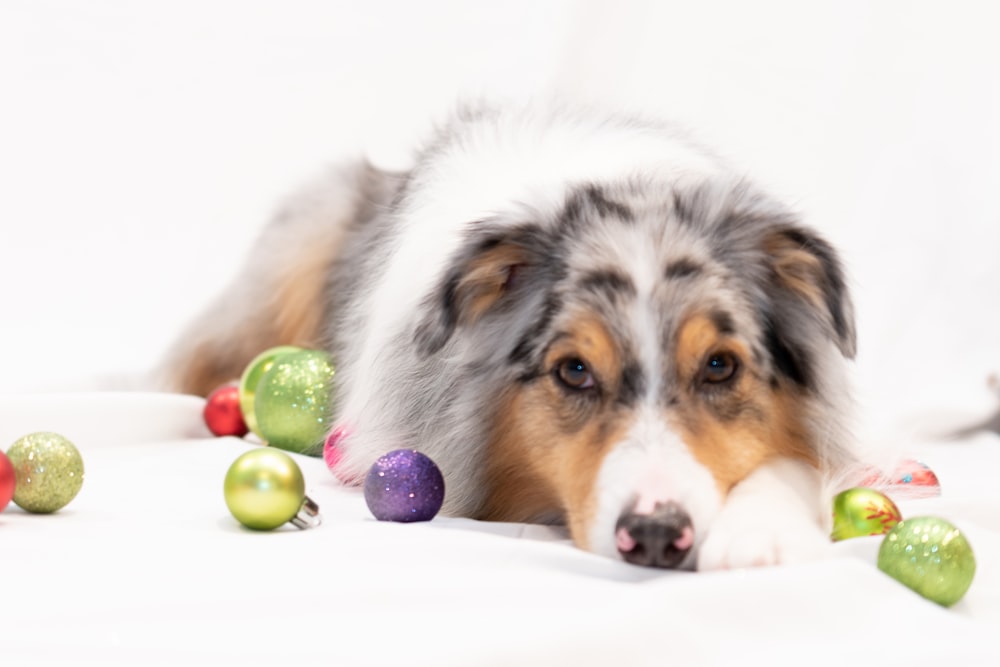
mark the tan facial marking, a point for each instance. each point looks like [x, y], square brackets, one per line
[548, 446]
[734, 429]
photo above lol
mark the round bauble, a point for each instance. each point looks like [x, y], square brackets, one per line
[222, 412]
[293, 401]
[860, 512]
[919, 480]
[264, 488]
[333, 454]
[931, 556]
[251, 378]
[8, 481]
[911, 479]
[404, 485]
[48, 470]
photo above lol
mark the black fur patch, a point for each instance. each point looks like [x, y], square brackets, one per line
[525, 349]
[682, 268]
[787, 361]
[633, 384]
[593, 197]
[608, 281]
[607, 207]
[682, 209]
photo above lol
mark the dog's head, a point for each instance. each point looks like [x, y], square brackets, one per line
[651, 346]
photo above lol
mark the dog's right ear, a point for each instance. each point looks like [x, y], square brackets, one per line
[483, 276]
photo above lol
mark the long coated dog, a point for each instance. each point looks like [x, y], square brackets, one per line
[582, 318]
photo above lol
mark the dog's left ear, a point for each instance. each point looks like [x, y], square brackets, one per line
[806, 266]
[482, 277]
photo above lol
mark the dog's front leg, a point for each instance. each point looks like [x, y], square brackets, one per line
[773, 516]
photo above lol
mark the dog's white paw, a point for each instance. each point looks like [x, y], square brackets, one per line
[770, 518]
[740, 539]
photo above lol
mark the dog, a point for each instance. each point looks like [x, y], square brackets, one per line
[582, 318]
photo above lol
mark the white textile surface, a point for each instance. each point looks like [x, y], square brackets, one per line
[142, 146]
[146, 566]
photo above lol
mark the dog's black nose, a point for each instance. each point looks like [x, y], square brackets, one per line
[660, 539]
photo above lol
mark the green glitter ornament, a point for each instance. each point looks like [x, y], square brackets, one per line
[931, 556]
[293, 401]
[251, 378]
[49, 472]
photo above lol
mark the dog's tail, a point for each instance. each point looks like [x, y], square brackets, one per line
[278, 298]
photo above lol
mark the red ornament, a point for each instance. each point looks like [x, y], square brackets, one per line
[222, 412]
[7, 481]
[911, 479]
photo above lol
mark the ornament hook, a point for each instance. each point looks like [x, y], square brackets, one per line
[308, 515]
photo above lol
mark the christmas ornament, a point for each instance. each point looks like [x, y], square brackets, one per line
[251, 378]
[332, 454]
[222, 412]
[404, 485]
[264, 489]
[931, 556]
[49, 472]
[7, 481]
[918, 478]
[859, 512]
[911, 479]
[293, 401]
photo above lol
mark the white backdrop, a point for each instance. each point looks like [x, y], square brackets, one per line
[143, 145]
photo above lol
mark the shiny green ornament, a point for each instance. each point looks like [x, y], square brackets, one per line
[264, 489]
[860, 512]
[251, 378]
[293, 401]
[49, 472]
[931, 556]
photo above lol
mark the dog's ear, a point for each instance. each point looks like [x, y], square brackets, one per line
[805, 268]
[482, 277]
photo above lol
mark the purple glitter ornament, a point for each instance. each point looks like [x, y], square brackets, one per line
[404, 485]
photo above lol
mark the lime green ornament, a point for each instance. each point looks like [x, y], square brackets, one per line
[264, 489]
[931, 556]
[293, 401]
[860, 512]
[251, 378]
[49, 472]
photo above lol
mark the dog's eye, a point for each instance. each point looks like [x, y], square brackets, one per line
[719, 367]
[573, 373]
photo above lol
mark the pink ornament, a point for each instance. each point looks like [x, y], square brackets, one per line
[222, 412]
[333, 454]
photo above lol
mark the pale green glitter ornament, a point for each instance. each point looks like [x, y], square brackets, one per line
[931, 556]
[293, 401]
[252, 375]
[49, 472]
